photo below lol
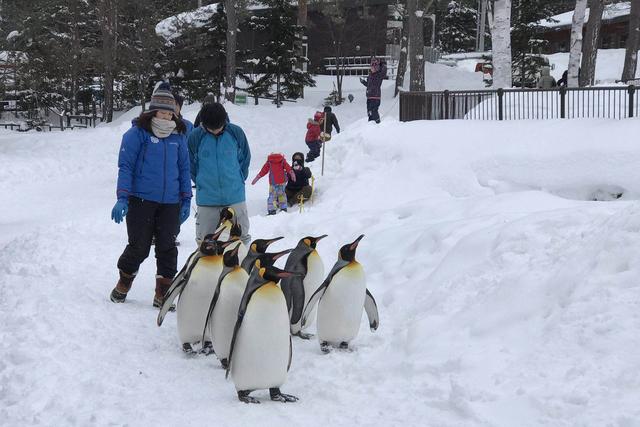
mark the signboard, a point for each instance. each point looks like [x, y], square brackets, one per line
[240, 99]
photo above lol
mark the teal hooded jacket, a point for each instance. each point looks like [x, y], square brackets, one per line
[219, 165]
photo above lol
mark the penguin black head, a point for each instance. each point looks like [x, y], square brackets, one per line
[348, 251]
[236, 231]
[313, 241]
[230, 258]
[267, 259]
[274, 274]
[227, 214]
[260, 245]
[209, 245]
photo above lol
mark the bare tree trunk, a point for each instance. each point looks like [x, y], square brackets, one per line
[232, 32]
[501, 44]
[633, 43]
[302, 22]
[108, 13]
[402, 61]
[415, 11]
[591, 43]
[576, 43]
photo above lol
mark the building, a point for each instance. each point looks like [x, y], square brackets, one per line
[613, 34]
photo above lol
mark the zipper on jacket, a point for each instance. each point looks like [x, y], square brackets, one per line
[164, 164]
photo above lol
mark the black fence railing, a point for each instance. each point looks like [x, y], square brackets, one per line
[617, 102]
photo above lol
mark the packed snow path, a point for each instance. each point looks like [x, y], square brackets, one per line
[506, 296]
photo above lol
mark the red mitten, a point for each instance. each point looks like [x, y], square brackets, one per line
[255, 180]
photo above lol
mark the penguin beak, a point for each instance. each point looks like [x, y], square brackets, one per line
[235, 250]
[271, 241]
[227, 243]
[217, 234]
[317, 239]
[354, 245]
[279, 255]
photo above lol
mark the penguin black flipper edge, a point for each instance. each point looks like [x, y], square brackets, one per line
[371, 308]
[177, 286]
[246, 297]
[214, 300]
[320, 291]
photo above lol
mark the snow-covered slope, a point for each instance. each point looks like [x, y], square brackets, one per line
[506, 296]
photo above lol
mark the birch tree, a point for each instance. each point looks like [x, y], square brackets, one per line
[633, 43]
[591, 43]
[501, 43]
[415, 11]
[576, 43]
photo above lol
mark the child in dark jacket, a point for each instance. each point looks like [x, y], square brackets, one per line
[277, 168]
[299, 187]
[314, 128]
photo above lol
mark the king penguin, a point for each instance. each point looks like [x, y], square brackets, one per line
[227, 220]
[223, 310]
[257, 247]
[196, 290]
[298, 289]
[234, 235]
[342, 296]
[260, 353]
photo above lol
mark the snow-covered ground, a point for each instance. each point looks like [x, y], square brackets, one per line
[507, 297]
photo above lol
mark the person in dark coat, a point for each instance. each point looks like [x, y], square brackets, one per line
[209, 99]
[153, 191]
[299, 187]
[373, 82]
[330, 121]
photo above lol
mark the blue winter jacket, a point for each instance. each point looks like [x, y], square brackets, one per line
[152, 168]
[219, 165]
[189, 126]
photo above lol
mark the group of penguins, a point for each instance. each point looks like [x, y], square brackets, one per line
[234, 301]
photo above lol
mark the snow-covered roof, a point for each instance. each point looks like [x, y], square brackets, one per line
[611, 11]
[170, 28]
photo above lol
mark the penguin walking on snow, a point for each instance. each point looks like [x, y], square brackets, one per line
[298, 289]
[223, 310]
[196, 287]
[257, 247]
[260, 353]
[342, 296]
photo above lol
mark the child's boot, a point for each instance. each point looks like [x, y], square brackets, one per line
[119, 293]
[270, 212]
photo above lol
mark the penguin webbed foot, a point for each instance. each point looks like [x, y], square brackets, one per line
[207, 348]
[278, 396]
[186, 347]
[344, 345]
[324, 347]
[243, 396]
[225, 363]
[304, 336]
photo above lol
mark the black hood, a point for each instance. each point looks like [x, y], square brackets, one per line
[300, 157]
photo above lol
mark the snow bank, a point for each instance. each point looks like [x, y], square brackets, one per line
[608, 66]
[505, 296]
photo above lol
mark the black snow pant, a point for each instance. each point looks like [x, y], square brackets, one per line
[372, 110]
[293, 196]
[145, 220]
[314, 150]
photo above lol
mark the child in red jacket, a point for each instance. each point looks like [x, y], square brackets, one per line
[314, 128]
[277, 168]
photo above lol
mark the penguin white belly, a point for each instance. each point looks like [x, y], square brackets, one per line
[311, 282]
[194, 301]
[340, 308]
[261, 352]
[225, 313]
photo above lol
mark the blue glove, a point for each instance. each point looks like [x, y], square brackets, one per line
[120, 210]
[184, 210]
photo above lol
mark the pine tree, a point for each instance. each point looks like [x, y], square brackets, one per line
[281, 60]
[458, 26]
[526, 43]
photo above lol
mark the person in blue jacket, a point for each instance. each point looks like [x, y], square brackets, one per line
[220, 157]
[154, 192]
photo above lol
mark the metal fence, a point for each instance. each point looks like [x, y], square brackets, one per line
[617, 102]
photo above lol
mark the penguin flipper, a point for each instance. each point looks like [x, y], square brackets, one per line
[371, 308]
[290, 353]
[177, 286]
[313, 301]
[246, 297]
[214, 300]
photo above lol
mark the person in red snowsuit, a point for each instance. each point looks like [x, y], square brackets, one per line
[278, 169]
[314, 128]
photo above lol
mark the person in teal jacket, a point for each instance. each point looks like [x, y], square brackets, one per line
[219, 154]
